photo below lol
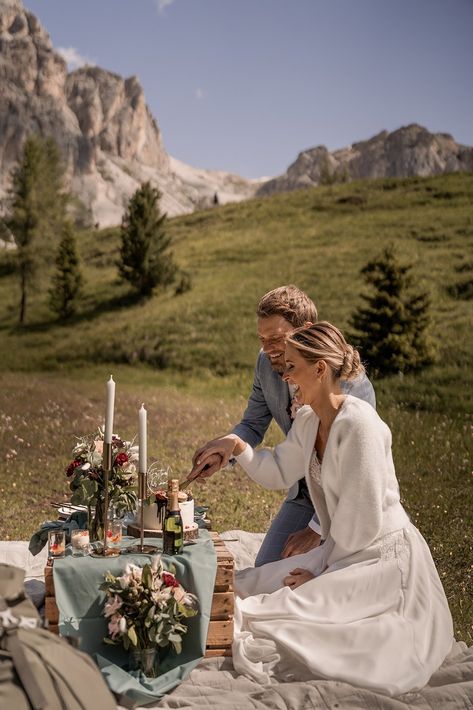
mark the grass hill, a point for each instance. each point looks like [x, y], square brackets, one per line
[317, 238]
[190, 357]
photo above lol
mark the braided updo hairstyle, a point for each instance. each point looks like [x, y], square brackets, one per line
[323, 341]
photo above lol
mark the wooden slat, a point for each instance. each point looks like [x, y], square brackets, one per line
[222, 605]
[220, 634]
[49, 581]
[53, 628]
[224, 557]
[224, 579]
[51, 612]
[210, 652]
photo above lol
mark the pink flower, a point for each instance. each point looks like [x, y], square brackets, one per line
[114, 625]
[178, 593]
[98, 446]
[112, 606]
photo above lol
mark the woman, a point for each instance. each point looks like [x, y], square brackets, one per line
[367, 607]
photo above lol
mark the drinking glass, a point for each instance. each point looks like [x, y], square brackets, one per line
[56, 544]
[80, 542]
[114, 534]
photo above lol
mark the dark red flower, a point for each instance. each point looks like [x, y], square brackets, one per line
[121, 459]
[170, 580]
[72, 467]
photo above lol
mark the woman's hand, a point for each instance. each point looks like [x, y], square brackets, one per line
[215, 454]
[297, 577]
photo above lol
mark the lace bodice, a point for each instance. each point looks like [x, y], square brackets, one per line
[315, 468]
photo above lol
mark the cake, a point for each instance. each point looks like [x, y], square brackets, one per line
[153, 514]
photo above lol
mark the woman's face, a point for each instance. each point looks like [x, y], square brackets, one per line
[300, 373]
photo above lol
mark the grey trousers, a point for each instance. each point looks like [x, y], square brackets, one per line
[293, 515]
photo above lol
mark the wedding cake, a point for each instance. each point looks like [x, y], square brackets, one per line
[153, 514]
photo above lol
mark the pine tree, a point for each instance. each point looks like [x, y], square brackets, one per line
[145, 261]
[67, 279]
[391, 328]
[37, 207]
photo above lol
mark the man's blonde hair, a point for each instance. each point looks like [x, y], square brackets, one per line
[289, 302]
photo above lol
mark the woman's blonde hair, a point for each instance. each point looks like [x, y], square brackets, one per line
[323, 341]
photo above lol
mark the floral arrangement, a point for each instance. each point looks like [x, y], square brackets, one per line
[86, 476]
[146, 606]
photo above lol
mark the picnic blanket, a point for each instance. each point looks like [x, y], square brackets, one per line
[215, 684]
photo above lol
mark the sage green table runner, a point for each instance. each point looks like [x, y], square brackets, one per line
[80, 603]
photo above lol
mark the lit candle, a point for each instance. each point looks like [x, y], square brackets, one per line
[142, 439]
[109, 411]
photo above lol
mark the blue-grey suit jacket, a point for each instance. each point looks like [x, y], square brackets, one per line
[270, 398]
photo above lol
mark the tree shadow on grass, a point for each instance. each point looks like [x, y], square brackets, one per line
[116, 303]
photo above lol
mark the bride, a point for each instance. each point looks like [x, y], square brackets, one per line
[367, 607]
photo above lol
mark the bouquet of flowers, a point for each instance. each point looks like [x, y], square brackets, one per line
[146, 606]
[86, 476]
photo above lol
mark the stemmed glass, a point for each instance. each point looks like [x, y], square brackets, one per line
[157, 485]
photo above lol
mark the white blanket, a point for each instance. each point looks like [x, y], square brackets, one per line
[214, 683]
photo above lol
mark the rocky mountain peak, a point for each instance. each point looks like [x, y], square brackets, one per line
[408, 151]
[107, 135]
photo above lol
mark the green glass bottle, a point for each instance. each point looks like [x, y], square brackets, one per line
[173, 529]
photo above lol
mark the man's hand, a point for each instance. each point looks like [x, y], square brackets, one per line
[297, 577]
[301, 541]
[214, 455]
[213, 463]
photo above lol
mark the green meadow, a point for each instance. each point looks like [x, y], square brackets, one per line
[190, 357]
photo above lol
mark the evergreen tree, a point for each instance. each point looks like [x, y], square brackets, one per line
[67, 279]
[391, 328]
[37, 206]
[145, 261]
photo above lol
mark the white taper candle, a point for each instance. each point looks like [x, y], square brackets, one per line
[142, 439]
[109, 411]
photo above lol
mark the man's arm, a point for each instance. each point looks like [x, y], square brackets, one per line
[257, 416]
[252, 428]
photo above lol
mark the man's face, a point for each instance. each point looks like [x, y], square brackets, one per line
[272, 331]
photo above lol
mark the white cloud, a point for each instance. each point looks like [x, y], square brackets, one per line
[162, 5]
[199, 94]
[73, 58]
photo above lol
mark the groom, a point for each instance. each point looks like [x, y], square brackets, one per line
[295, 529]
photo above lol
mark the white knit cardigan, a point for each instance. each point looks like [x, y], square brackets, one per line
[358, 502]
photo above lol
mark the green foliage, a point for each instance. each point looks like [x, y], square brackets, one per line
[391, 328]
[37, 207]
[145, 261]
[67, 279]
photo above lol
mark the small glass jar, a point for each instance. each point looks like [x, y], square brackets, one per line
[56, 544]
[80, 543]
[114, 533]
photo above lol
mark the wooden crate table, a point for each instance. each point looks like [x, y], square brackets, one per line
[220, 631]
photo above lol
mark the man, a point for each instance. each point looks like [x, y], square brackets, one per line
[295, 528]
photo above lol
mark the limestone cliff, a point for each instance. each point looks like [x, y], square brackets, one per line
[108, 138]
[409, 151]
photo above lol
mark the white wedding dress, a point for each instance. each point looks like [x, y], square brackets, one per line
[375, 615]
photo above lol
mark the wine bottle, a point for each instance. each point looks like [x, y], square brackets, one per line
[173, 529]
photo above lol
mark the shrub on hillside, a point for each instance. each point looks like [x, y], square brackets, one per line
[67, 279]
[145, 260]
[391, 327]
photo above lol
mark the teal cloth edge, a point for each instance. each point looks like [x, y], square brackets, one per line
[80, 614]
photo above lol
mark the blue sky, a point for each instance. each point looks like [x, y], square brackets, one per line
[245, 85]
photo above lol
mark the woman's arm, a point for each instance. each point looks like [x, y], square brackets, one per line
[363, 462]
[282, 466]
